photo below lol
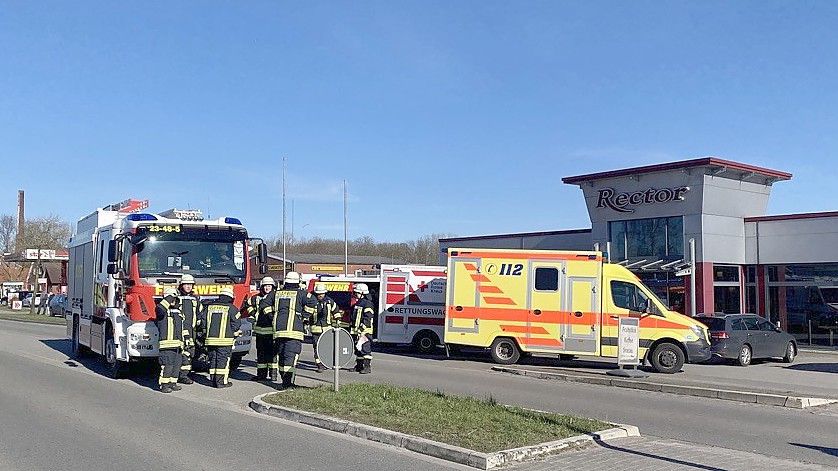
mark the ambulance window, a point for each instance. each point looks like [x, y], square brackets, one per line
[546, 279]
[628, 296]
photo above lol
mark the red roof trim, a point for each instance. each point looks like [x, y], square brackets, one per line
[700, 162]
[789, 217]
[518, 234]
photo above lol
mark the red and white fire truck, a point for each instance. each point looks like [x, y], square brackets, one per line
[410, 299]
[121, 259]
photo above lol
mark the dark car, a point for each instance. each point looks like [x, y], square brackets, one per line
[57, 305]
[744, 337]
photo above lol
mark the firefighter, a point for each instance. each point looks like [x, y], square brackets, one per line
[189, 306]
[263, 329]
[291, 306]
[169, 321]
[362, 328]
[322, 319]
[220, 321]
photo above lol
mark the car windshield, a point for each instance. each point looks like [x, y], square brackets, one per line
[199, 252]
[712, 323]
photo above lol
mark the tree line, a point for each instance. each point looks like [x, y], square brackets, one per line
[423, 251]
[48, 232]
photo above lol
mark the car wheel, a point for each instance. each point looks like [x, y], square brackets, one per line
[667, 358]
[505, 351]
[745, 355]
[425, 342]
[791, 352]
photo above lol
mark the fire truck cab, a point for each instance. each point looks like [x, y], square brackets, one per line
[122, 259]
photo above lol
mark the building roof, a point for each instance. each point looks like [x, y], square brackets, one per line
[788, 217]
[338, 259]
[517, 234]
[744, 171]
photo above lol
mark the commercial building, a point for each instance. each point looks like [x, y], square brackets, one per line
[783, 267]
[323, 264]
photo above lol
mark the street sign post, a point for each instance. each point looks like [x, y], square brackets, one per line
[335, 349]
[628, 348]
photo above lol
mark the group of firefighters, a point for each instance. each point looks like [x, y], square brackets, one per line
[279, 317]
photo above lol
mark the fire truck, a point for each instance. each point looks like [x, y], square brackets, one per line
[121, 259]
[410, 300]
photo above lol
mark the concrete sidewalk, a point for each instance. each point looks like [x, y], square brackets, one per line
[811, 374]
[649, 453]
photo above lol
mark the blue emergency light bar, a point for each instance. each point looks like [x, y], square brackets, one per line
[232, 221]
[141, 217]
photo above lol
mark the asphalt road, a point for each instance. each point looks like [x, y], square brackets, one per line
[50, 402]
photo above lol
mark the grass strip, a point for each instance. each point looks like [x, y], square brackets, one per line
[9, 315]
[477, 424]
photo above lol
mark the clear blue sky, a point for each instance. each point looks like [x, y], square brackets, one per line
[457, 117]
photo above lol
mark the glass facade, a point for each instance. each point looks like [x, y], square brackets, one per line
[657, 237]
[804, 299]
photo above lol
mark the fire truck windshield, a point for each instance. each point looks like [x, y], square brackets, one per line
[199, 252]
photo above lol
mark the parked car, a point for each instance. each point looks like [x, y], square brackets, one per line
[744, 337]
[57, 305]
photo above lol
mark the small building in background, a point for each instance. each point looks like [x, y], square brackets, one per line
[320, 264]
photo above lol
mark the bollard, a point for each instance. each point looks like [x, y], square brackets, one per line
[810, 332]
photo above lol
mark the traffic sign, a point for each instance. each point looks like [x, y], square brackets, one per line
[326, 348]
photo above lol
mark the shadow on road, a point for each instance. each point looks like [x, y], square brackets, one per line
[818, 367]
[661, 458]
[142, 373]
[823, 449]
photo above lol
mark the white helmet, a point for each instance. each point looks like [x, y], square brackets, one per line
[227, 291]
[362, 288]
[268, 281]
[169, 291]
[292, 278]
[187, 279]
[320, 288]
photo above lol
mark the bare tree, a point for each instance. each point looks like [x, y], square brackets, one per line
[8, 230]
[424, 250]
[48, 232]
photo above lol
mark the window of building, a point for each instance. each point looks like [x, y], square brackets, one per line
[546, 279]
[727, 299]
[656, 237]
[801, 299]
[726, 273]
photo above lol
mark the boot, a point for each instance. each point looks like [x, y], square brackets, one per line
[175, 386]
[166, 388]
[287, 380]
[365, 370]
[261, 375]
[359, 364]
[228, 384]
[320, 367]
[185, 379]
[273, 375]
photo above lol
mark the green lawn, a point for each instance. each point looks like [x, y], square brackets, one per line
[477, 424]
[24, 316]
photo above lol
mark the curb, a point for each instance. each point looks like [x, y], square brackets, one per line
[792, 402]
[818, 351]
[436, 449]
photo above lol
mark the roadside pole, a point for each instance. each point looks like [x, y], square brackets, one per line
[336, 364]
[693, 310]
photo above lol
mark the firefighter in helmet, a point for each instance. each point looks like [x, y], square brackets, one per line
[221, 323]
[362, 328]
[321, 319]
[190, 305]
[291, 306]
[263, 329]
[169, 321]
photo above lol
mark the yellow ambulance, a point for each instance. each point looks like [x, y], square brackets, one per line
[560, 302]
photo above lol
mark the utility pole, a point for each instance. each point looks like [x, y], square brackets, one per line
[693, 308]
[284, 240]
[345, 230]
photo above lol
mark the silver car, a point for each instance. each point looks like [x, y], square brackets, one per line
[742, 338]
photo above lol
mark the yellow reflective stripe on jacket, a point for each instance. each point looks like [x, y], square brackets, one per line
[289, 334]
[216, 342]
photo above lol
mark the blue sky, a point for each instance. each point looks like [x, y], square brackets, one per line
[454, 117]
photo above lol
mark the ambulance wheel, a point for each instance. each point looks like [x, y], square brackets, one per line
[236, 361]
[667, 358]
[425, 342]
[505, 351]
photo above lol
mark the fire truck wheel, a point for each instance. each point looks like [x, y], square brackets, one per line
[425, 342]
[667, 358]
[78, 350]
[505, 351]
[236, 361]
[117, 369]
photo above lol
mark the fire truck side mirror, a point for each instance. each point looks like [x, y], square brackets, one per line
[113, 269]
[113, 252]
[262, 253]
